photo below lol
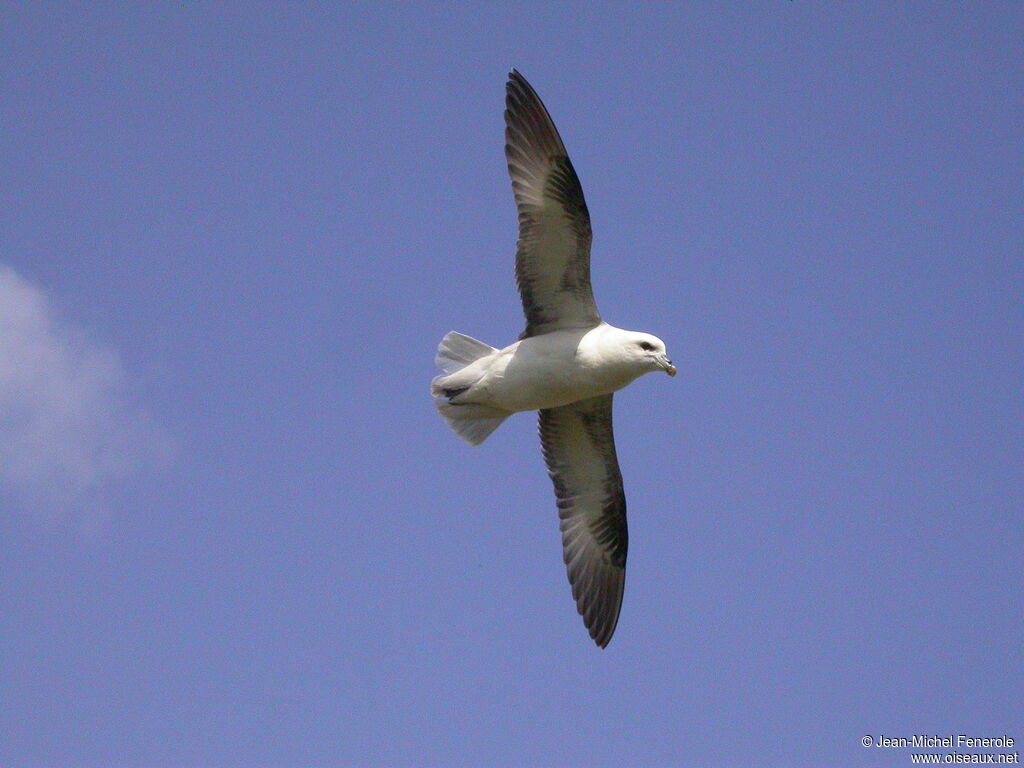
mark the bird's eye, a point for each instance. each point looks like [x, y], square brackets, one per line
[646, 346]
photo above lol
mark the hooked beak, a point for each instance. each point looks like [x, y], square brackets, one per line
[667, 365]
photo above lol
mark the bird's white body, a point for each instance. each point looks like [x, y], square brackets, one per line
[554, 369]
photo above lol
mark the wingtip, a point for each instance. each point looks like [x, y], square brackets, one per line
[600, 622]
[602, 635]
[515, 79]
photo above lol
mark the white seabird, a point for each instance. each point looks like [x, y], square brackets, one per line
[566, 364]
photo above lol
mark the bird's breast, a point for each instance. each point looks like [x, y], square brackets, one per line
[541, 372]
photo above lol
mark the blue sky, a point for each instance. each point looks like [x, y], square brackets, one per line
[235, 532]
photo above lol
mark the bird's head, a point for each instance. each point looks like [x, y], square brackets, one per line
[649, 352]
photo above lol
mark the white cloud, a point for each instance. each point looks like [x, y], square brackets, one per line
[68, 429]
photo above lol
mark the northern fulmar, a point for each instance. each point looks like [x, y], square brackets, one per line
[566, 364]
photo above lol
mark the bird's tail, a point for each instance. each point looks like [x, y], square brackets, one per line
[470, 421]
[456, 351]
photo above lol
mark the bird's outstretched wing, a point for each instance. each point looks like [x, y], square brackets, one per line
[579, 449]
[553, 254]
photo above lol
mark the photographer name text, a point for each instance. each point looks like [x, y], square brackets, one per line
[953, 741]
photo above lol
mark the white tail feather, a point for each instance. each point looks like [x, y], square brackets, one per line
[470, 421]
[473, 423]
[456, 351]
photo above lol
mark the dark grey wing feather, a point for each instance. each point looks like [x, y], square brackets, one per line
[553, 253]
[579, 449]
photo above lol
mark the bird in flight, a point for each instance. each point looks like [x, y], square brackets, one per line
[566, 364]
